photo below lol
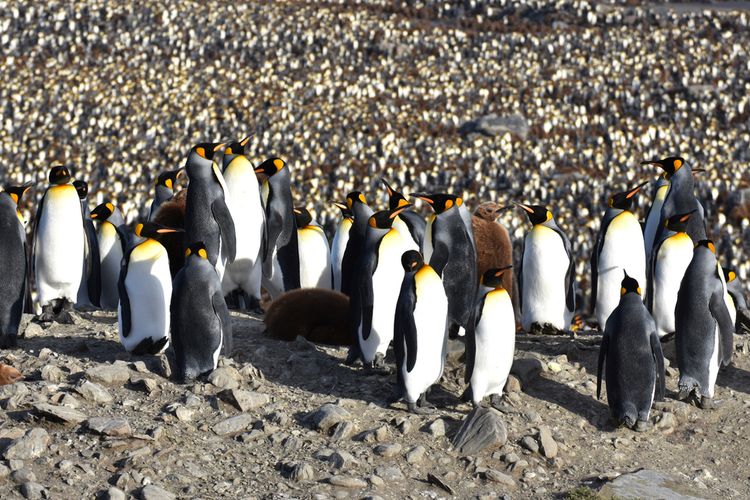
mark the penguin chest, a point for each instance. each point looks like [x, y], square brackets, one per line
[654, 217]
[110, 255]
[314, 258]
[672, 259]
[403, 229]
[495, 340]
[245, 206]
[427, 243]
[545, 264]
[338, 247]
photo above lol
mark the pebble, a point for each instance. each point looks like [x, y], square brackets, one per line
[499, 477]
[437, 428]
[233, 425]
[116, 427]
[343, 460]
[153, 492]
[34, 490]
[114, 493]
[93, 392]
[549, 446]
[23, 475]
[416, 454]
[347, 482]
[116, 374]
[512, 385]
[554, 367]
[327, 416]
[33, 444]
[244, 400]
[527, 369]
[530, 444]
[52, 373]
[343, 431]
[302, 472]
[226, 377]
[387, 450]
[389, 473]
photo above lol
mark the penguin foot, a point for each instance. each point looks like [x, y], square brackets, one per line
[642, 426]
[47, 316]
[413, 408]
[496, 400]
[380, 365]
[706, 403]
[66, 317]
[352, 356]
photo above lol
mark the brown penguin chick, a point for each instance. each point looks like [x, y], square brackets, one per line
[317, 314]
[494, 249]
[9, 375]
[172, 214]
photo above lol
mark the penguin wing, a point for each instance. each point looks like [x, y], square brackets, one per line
[271, 231]
[518, 271]
[93, 264]
[367, 302]
[594, 262]
[223, 217]
[124, 238]
[658, 355]
[440, 251]
[123, 292]
[222, 312]
[466, 218]
[32, 256]
[471, 340]
[719, 311]
[602, 356]
[570, 279]
[404, 327]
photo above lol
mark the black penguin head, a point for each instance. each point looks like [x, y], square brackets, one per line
[411, 260]
[730, 274]
[494, 277]
[537, 213]
[169, 178]
[439, 202]
[708, 244]
[17, 192]
[629, 285]
[355, 197]
[197, 249]
[82, 187]
[384, 218]
[59, 174]
[670, 165]
[207, 150]
[395, 199]
[302, 217]
[238, 147]
[153, 230]
[103, 211]
[678, 222]
[346, 212]
[270, 166]
[624, 200]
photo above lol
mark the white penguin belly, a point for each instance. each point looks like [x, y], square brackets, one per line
[654, 217]
[672, 260]
[430, 318]
[59, 245]
[495, 346]
[545, 264]
[314, 258]
[713, 365]
[727, 298]
[149, 287]
[400, 226]
[110, 255]
[623, 250]
[338, 246]
[427, 242]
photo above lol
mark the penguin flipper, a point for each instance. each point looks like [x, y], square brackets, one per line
[659, 359]
[570, 282]
[719, 311]
[222, 312]
[93, 265]
[416, 225]
[32, 256]
[519, 277]
[223, 217]
[440, 255]
[602, 356]
[124, 299]
[594, 262]
[404, 315]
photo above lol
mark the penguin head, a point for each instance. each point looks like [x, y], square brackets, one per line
[412, 260]
[670, 165]
[17, 192]
[537, 214]
[708, 244]
[494, 277]
[384, 218]
[270, 167]
[678, 222]
[629, 285]
[302, 217]
[238, 147]
[624, 200]
[103, 211]
[395, 199]
[207, 150]
[169, 178]
[439, 202]
[59, 174]
[489, 210]
[355, 197]
[346, 212]
[729, 274]
[153, 230]
[197, 250]
[82, 187]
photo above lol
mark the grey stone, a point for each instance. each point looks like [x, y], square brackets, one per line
[343, 460]
[118, 427]
[59, 413]
[437, 428]
[244, 400]
[116, 374]
[647, 483]
[526, 369]
[549, 446]
[33, 444]
[52, 373]
[389, 473]
[94, 392]
[33, 490]
[498, 477]
[347, 482]
[387, 450]
[512, 385]
[482, 428]
[416, 454]
[343, 431]
[24, 475]
[233, 425]
[328, 415]
[153, 492]
[667, 420]
[302, 472]
[530, 444]
[226, 377]
[440, 482]
[114, 494]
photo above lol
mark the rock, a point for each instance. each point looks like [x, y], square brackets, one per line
[416, 454]
[52, 373]
[526, 369]
[549, 446]
[59, 413]
[301, 471]
[530, 444]
[455, 350]
[347, 482]
[390, 473]
[554, 367]
[233, 425]
[481, 429]
[147, 384]
[327, 416]
[24, 475]
[403, 424]
[93, 392]
[33, 444]
[113, 494]
[33, 330]
[343, 431]
[343, 460]
[226, 377]
[118, 427]
[387, 450]
[153, 492]
[647, 483]
[34, 490]
[437, 428]
[492, 125]
[116, 374]
[244, 400]
[667, 420]
[512, 385]
[499, 477]
[439, 482]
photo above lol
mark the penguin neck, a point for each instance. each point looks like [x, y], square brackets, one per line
[163, 193]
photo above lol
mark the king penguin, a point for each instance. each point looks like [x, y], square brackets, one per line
[89, 293]
[244, 203]
[703, 327]
[619, 247]
[490, 345]
[653, 218]
[145, 289]
[737, 305]
[314, 252]
[340, 240]
[163, 190]
[280, 251]
[201, 325]
[634, 359]
[357, 204]
[547, 274]
[409, 223]
[13, 264]
[494, 247]
[207, 217]
[420, 330]
[59, 244]
[112, 240]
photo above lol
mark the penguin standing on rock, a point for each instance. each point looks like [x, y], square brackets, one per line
[635, 362]
[357, 204]
[112, 240]
[13, 264]
[89, 292]
[703, 327]
[420, 330]
[201, 325]
[59, 245]
[163, 190]
[409, 223]
[314, 252]
[340, 240]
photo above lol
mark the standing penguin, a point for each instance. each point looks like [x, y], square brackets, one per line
[670, 258]
[619, 247]
[59, 245]
[163, 190]
[653, 218]
[201, 325]
[546, 279]
[145, 288]
[280, 252]
[449, 249]
[635, 362]
[90, 290]
[737, 305]
[494, 248]
[340, 240]
[112, 240]
[207, 217]
[244, 203]
[491, 344]
[703, 327]
[420, 330]
[314, 252]
[13, 264]
[357, 204]
[409, 223]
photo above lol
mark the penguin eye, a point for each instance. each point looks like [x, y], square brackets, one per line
[202, 253]
[188, 252]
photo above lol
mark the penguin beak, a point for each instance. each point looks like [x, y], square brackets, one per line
[94, 215]
[387, 187]
[525, 207]
[657, 163]
[165, 230]
[635, 190]
[699, 170]
[423, 197]
[342, 206]
[297, 211]
[502, 270]
[397, 211]
[500, 210]
[244, 142]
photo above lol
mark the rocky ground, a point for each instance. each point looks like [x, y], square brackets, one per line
[289, 420]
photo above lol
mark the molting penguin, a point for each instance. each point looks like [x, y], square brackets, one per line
[201, 325]
[112, 240]
[546, 279]
[280, 252]
[340, 240]
[619, 248]
[245, 273]
[172, 214]
[494, 248]
[491, 345]
[421, 330]
[357, 205]
[163, 190]
[737, 305]
[653, 218]
[314, 252]
[89, 292]
[145, 288]
[409, 223]
[703, 327]
[13, 264]
[316, 314]
[58, 247]
[635, 362]
[207, 217]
